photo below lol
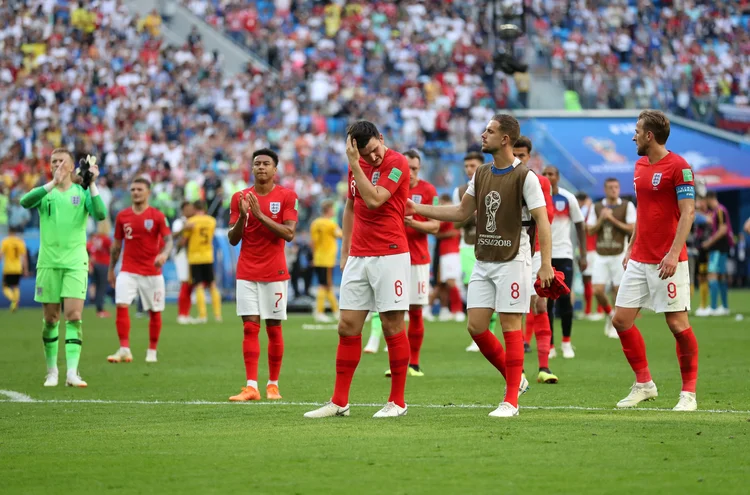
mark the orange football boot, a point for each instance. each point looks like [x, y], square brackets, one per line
[248, 393]
[272, 392]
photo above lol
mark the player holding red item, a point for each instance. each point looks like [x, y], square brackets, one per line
[148, 242]
[506, 196]
[376, 265]
[537, 321]
[262, 217]
[417, 229]
[656, 263]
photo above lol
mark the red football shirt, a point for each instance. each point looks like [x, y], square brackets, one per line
[262, 257]
[658, 188]
[448, 245]
[547, 190]
[143, 235]
[381, 232]
[98, 247]
[423, 193]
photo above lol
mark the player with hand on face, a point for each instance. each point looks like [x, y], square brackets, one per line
[263, 218]
[376, 265]
[62, 269]
[656, 267]
[147, 245]
[508, 199]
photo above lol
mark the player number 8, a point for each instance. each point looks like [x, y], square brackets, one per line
[515, 290]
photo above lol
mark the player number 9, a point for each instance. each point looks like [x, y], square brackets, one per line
[399, 288]
[671, 290]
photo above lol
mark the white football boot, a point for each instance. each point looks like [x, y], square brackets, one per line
[391, 410]
[639, 393]
[328, 410]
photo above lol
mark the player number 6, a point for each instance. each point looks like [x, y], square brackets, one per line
[399, 288]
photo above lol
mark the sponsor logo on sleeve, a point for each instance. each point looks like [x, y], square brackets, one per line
[687, 175]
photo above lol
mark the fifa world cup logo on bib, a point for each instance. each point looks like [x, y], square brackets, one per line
[492, 203]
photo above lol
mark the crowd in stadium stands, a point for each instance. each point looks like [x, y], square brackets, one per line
[687, 57]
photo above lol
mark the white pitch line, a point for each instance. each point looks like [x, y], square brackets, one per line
[15, 396]
[254, 403]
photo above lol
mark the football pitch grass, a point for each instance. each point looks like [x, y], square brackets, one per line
[168, 428]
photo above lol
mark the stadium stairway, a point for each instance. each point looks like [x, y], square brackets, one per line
[180, 20]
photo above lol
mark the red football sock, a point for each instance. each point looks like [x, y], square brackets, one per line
[492, 349]
[154, 329]
[588, 295]
[275, 351]
[607, 309]
[122, 322]
[183, 300]
[457, 306]
[599, 309]
[513, 364]
[566, 339]
[398, 356]
[687, 355]
[543, 339]
[635, 351]
[530, 326]
[347, 359]
[251, 349]
[416, 335]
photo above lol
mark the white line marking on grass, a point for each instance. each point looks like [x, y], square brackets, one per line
[26, 398]
[15, 396]
[312, 326]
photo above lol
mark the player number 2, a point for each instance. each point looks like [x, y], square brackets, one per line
[128, 231]
[514, 290]
[399, 288]
[671, 290]
[281, 296]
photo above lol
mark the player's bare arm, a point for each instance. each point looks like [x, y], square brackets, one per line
[236, 230]
[373, 196]
[747, 226]
[544, 230]
[114, 257]
[428, 227]
[164, 254]
[284, 230]
[630, 245]
[668, 265]
[581, 231]
[347, 225]
[445, 213]
[605, 215]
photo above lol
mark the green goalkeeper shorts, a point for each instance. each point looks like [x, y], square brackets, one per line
[56, 284]
[467, 262]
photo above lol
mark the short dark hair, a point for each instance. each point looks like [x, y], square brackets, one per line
[184, 204]
[362, 131]
[580, 195]
[412, 153]
[656, 123]
[446, 197]
[200, 205]
[523, 142]
[711, 195]
[474, 155]
[267, 152]
[611, 179]
[142, 180]
[509, 125]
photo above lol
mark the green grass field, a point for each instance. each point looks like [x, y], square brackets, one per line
[167, 428]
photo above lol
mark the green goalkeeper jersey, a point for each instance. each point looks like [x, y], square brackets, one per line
[62, 225]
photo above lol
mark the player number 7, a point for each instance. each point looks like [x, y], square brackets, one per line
[281, 296]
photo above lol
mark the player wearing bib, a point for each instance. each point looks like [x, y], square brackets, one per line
[263, 218]
[610, 221]
[567, 214]
[417, 229]
[143, 237]
[324, 232]
[537, 322]
[15, 265]
[199, 231]
[586, 205]
[719, 243]
[376, 265]
[62, 269]
[656, 267]
[506, 196]
[182, 267]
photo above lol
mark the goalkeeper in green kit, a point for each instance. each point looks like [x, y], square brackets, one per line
[64, 205]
